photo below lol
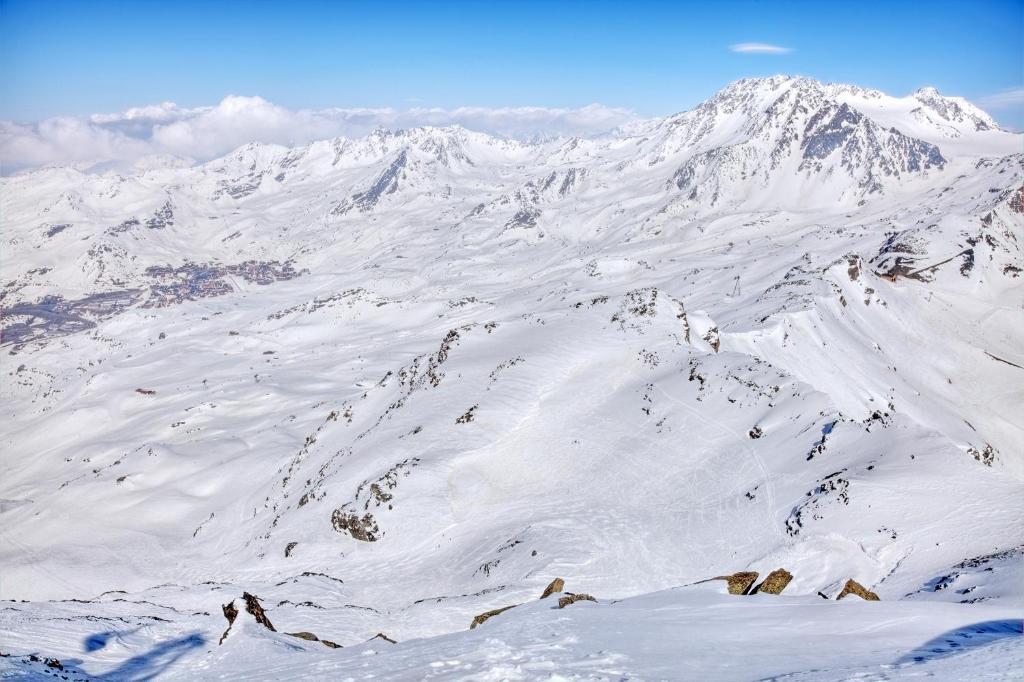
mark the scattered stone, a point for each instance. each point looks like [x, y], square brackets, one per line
[755, 432]
[775, 583]
[854, 587]
[557, 585]
[739, 583]
[145, 391]
[487, 615]
[571, 598]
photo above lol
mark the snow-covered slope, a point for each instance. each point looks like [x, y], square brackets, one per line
[389, 383]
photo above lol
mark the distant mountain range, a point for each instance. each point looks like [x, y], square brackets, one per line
[390, 383]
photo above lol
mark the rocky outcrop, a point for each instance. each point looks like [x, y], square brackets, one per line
[230, 612]
[854, 587]
[571, 598]
[557, 585]
[739, 583]
[487, 615]
[252, 607]
[381, 635]
[775, 583]
[362, 528]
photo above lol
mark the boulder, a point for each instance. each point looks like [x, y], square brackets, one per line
[775, 583]
[486, 615]
[854, 587]
[571, 598]
[557, 585]
[309, 636]
[739, 583]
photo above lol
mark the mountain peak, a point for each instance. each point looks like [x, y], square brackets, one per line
[956, 110]
[926, 92]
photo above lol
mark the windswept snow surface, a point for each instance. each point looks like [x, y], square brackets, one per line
[387, 384]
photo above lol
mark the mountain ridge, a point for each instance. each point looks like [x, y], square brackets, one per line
[392, 383]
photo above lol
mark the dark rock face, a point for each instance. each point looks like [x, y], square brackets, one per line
[386, 183]
[361, 528]
[573, 598]
[526, 218]
[557, 585]
[486, 615]
[230, 612]
[829, 129]
[854, 587]
[739, 583]
[775, 583]
[253, 606]
[162, 217]
[1017, 201]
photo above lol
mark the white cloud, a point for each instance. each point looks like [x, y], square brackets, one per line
[202, 133]
[1006, 99]
[759, 48]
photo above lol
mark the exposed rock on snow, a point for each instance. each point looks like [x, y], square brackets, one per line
[739, 583]
[571, 598]
[775, 583]
[855, 588]
[556, 585]
[487, 615]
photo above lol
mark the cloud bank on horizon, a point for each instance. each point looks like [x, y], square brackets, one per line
[163, 134]
[117, 141]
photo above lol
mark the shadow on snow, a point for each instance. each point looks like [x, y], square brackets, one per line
[963, 638]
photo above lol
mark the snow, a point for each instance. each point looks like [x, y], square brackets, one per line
[387, 384]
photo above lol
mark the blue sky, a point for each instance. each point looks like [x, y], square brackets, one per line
[76, 58]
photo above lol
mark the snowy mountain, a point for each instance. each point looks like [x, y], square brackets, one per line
[389, 384]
